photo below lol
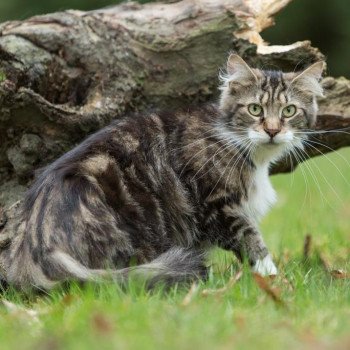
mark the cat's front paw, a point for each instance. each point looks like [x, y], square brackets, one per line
[265, 267]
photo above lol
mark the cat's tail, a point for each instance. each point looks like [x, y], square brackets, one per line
[173, 266]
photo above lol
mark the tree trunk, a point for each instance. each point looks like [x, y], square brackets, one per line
[67, 74]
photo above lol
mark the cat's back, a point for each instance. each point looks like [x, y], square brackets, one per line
[127, 143]
[113, 195]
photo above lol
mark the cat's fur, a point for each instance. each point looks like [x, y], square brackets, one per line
[157, 190]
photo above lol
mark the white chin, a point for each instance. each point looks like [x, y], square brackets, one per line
[270, 143]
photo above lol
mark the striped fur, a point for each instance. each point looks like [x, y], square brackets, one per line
[157, 190]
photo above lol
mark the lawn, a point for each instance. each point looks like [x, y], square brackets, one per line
[305, 307]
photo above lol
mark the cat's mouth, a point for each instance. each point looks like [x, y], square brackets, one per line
[265, 140]
[270, 143]
[273, 143]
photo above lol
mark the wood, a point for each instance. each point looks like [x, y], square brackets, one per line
[65, 75]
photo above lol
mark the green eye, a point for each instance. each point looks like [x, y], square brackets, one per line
[289, 111]
[255, 109]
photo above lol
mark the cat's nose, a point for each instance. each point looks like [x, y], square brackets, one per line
[272, 132]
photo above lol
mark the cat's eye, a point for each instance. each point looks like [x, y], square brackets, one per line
[289, 111]
[255, 109]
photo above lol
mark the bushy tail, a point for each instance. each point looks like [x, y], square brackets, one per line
[175, 265]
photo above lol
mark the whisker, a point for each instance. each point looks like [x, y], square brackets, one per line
[325, 179]
[291, 167]
[293, 151]
[236, 162]
[318, 132]
[312, 173]
[216, 133]
[218, 151]
[331, 149]
[244, 161]
[222, 175]
[325, 155]
[197, 141]
[198, 153]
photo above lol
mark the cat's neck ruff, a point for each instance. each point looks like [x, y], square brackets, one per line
[264, 155]
[262, 196]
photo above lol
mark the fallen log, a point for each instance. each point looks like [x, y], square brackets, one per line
[67, 74]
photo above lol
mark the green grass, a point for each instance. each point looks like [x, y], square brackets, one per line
[315, 313]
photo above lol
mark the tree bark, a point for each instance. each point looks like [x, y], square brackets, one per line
[67, 74]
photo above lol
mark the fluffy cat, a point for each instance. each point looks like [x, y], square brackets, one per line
[158, 190]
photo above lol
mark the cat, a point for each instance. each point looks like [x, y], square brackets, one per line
[149, 194]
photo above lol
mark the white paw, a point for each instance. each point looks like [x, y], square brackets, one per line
[265, 267]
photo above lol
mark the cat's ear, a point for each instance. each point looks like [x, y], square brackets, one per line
[309, 79]
[239, 73]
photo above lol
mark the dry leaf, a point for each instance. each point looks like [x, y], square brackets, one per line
[307, 246]
[272, 292]
[232, 281]
[340, 274]
[288, 283]
[68, 299]
[240, 322]
[101, 324]
[189, 296]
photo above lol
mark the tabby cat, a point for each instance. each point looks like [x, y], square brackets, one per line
[157, 191]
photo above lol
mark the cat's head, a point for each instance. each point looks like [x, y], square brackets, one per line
[269, 109]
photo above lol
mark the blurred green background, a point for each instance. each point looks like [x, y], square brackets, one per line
[325, 22]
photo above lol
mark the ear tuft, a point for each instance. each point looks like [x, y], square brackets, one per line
[238, 69]
[309, 79]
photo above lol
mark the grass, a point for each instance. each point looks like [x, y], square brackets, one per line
[315, 309]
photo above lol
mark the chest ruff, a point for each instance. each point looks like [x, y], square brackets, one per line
[261, 195]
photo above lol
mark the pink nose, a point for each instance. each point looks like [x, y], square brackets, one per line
[272, 132]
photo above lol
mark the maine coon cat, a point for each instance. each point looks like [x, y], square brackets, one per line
[158, 190]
